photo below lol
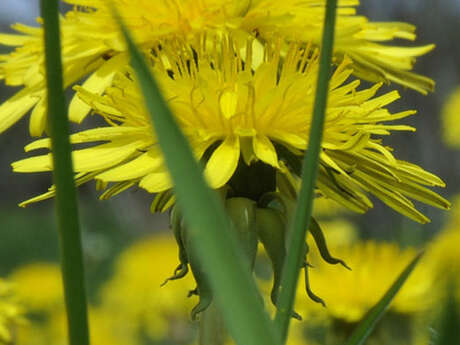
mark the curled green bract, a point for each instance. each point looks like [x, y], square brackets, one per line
[242, 212]
[271, 231]
[181, 270]
[264, 221]
[320, 240]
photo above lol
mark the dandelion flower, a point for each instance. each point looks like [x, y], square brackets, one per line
[136, 296]
[442, 252]
[450, 117]
[94, 48]
[11, 313]
[39, 286]
[375, 266]
[248, 119]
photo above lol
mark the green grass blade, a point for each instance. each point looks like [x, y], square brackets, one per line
[309, 170]
[366, 326]
[66, 196]
[449, 322]
[234, 289]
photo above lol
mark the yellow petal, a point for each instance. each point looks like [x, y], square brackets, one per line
[97, 83]
[90, 135]
[228, 102]
[156, 182]
[87, 160]
[104, 156]
[38, 117]
[223, 162]
[16, 107]
[33, 164]
[138, 167]
[13, 39]
[264, 150]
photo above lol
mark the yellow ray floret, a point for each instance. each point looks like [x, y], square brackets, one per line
[93, 47]
[236, 115]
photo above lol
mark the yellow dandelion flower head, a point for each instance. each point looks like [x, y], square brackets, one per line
[442, 253]
[450, 116]
[93, 46]
[39, 286]
[54, 330]
[375, 267]
[11, 313]
[246, 112]
[135, 296]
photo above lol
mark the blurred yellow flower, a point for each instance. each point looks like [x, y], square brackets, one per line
[235, 115]
[339, 232]
[442, 255]
[134, 298]
[450, 119]
[39, 286]
[52, 330]
[93, 46]
[375, 266]
[11, 313]
[132, 306]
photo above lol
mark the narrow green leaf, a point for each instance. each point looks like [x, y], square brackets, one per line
[449, 322]
[210, 230]
[66, 196]
[309, 171]
[366, 326]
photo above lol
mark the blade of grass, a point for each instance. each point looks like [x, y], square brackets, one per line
[210, 230]
[304, 206]
[66, 196]
[446, 332]
[366, 326]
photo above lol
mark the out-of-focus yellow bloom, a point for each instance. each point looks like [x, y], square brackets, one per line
[239, 114]
[375, 266]
[11, 314]
[325, 207]
[39, 286]
[52, 330]
[132, 305]
[442, 255]
[450, 119]
[94, 47]
[339, 232]
[134, 299]
[331, 216]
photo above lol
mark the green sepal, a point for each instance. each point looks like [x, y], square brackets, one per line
[320, 241]
[176, 223]
[242, 212]
[310, 293]
[203, 289]
[204, 292]
[271, 230]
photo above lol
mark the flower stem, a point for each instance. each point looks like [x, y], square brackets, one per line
[212, 329]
